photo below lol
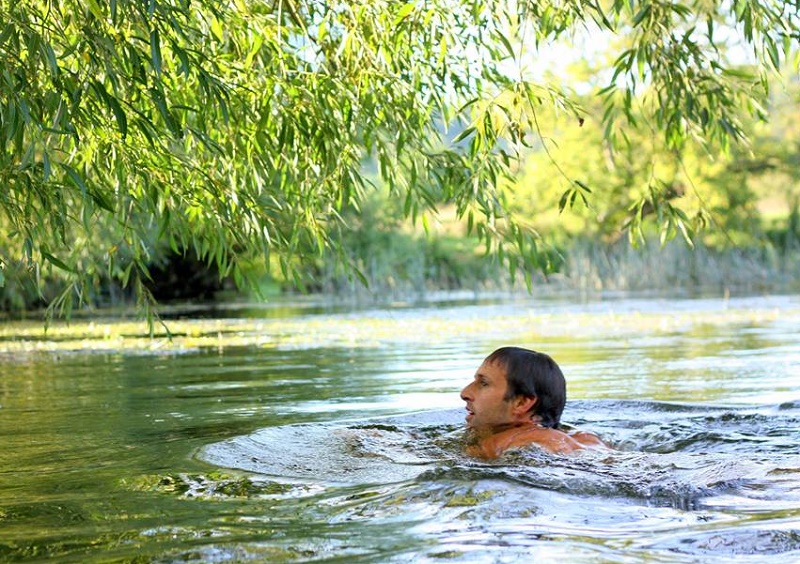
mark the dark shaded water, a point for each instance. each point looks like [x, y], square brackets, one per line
[345, 446]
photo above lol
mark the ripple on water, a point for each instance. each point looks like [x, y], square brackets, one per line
[683, 481]
[666, 454]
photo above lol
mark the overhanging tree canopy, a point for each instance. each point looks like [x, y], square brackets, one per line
[241, 129]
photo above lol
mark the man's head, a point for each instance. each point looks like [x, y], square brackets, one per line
[512, 386]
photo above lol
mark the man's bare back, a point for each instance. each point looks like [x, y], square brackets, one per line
[551, 440]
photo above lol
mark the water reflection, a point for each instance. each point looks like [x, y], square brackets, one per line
[106, 456]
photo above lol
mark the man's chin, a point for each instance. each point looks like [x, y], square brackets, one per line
[478, 430]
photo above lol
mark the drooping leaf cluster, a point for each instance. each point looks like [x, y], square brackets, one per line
[243, 130]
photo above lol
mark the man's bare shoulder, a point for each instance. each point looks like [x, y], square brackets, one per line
[551, 440]
[587, 439]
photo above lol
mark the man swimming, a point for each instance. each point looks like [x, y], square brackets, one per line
[516, 399]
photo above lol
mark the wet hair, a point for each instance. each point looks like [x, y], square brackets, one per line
[533, 374]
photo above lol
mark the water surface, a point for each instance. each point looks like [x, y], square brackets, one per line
[332, 433]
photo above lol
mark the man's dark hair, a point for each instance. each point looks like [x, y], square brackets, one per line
[533, 374]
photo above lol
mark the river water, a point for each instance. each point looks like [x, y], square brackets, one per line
[333, 433]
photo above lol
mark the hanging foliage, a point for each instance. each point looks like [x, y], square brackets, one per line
[240, 130]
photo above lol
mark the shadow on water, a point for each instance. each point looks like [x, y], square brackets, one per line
[671, 466]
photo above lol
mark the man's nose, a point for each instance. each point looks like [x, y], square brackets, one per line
[465, 394]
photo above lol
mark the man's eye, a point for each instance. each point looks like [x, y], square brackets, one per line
[484, 383]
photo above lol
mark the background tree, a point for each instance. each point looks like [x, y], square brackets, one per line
[239, 130]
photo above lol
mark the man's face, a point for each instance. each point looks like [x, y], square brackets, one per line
[487, 410]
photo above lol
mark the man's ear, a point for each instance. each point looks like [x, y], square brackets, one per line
[524, 404]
